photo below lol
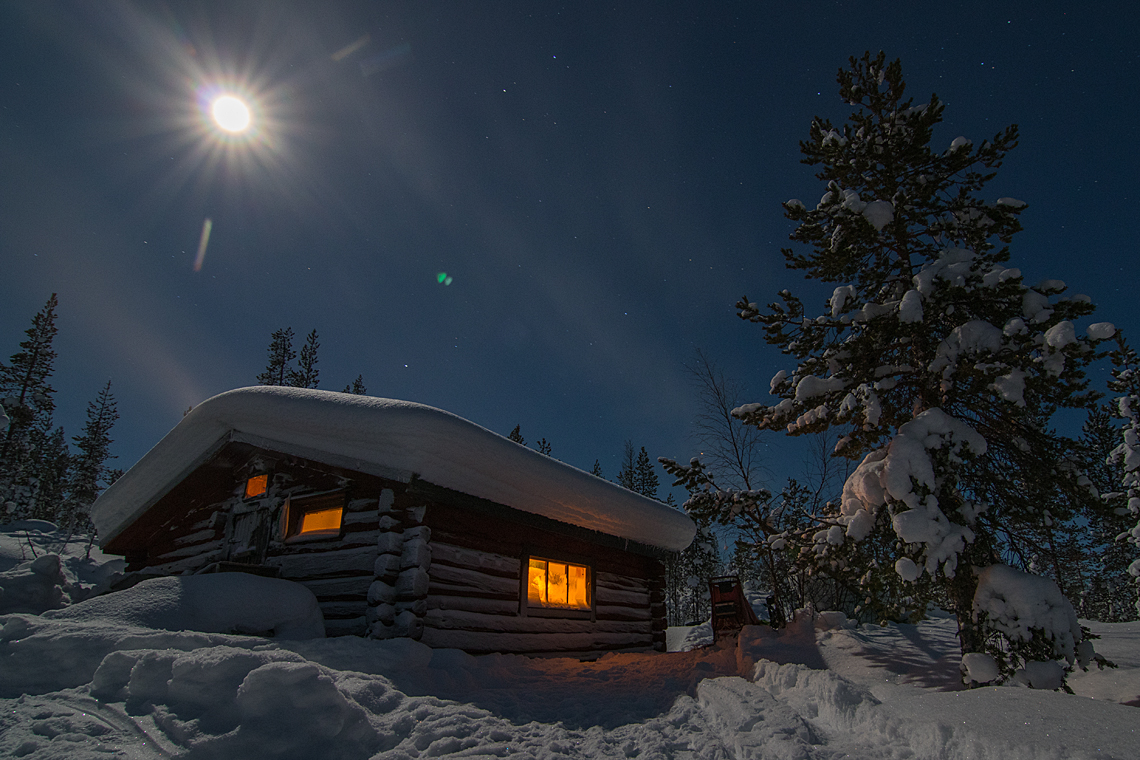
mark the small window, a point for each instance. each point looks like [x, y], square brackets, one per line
[558, 585]
[314, 516]
[256, 486]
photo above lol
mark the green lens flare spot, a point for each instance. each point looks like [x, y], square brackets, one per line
[443, 278]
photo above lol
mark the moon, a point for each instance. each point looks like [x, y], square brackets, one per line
[231, 114]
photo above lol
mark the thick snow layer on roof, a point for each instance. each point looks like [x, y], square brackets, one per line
[397, 436]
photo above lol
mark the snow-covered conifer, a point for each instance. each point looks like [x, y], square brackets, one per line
[89, 466]
[940, 365]
[26, 397]
[1126, 456]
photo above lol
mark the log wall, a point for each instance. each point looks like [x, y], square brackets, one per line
[424, 562]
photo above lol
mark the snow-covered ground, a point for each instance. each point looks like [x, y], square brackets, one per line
[89, 683]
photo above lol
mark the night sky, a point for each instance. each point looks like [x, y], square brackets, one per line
[601, 184]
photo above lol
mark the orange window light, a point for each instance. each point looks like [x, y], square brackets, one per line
[321, 521]
[256, 486]
[536, 587]
[558, 584]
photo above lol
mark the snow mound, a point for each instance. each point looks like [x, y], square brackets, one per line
[34, 586]
[219, 603]
[394, 439]
[224, 702]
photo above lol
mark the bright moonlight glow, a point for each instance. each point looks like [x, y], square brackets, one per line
[231, 114]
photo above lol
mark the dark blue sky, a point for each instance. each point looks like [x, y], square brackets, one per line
[601, 185]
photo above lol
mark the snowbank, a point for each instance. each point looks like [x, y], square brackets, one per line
[395, 439]
[90, 686]
[219, 603]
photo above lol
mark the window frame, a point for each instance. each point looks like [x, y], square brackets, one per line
[295, 508]
[526, 609]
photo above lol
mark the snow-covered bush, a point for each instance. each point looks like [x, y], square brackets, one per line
[939, 364]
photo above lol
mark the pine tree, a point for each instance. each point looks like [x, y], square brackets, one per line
[543, 447]
[940, 365]
[305, 376]
[26, 398]
[357, 387]
[627, 474]
[89, 470]
[516, 436]
[281, 355]
[597, 470]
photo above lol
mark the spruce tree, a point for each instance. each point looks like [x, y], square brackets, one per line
[27, 400]
[357, 387]
[53, 469]
[306, 373]
[938, 363]
[89, 470]
[281, 355]
[627, 474]
[543, 447]
[644, 477]
[597, 469]
[516, 436]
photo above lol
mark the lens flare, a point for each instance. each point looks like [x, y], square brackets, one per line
[443, 278]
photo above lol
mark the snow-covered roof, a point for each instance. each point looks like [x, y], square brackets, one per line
[397, 439]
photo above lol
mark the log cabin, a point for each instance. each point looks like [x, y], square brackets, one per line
[403, 519]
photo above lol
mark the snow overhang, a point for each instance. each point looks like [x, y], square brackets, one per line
[394, 439]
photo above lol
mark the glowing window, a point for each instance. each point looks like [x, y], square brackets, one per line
[322, 520]
[560, 585]
[256, 486]
[314, 516]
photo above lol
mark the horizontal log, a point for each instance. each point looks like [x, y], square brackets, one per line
[477, 621]
[621, 582]
[329, 563]
[610, 612]
[198, 537]
[533, 643]
[336, 609]
[191, 551]
[327, 587]
[451, 590]
[462, 577]
[189, 563]
[496, 606]
[486, 562]
[622, 598]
